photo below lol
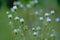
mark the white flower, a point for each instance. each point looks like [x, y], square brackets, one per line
[28, 5]
[52, 11]
[33, 29]
[38, 28]
[10, 16]
[48, 19]
[15, 30]
[16, 18]
[7, 12]
[14, 7]
[10, 23]
[35, 33]
[21, 5]
[36, 12]
[47, 14]
[21, 19]
[41, 18]
[12, 10]
[52, 35]
[36, 1]
[57, 19]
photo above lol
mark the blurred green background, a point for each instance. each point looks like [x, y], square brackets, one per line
[46, 5]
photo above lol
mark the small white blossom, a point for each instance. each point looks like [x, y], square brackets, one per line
[35, 33]
[52, 35]
[21, 19]
[21, 5]
[47, 14]
[14, 7]
[57, 19]
[7, 12]
[9, 15]
[36, 1]
[41, 18]
[10, 23]
[12, 10]
[28, 5]
[16, 18]
[48, 19]
[33, 29]
[36, 12]
[15, 30]
[52, 11]
[38, 28]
